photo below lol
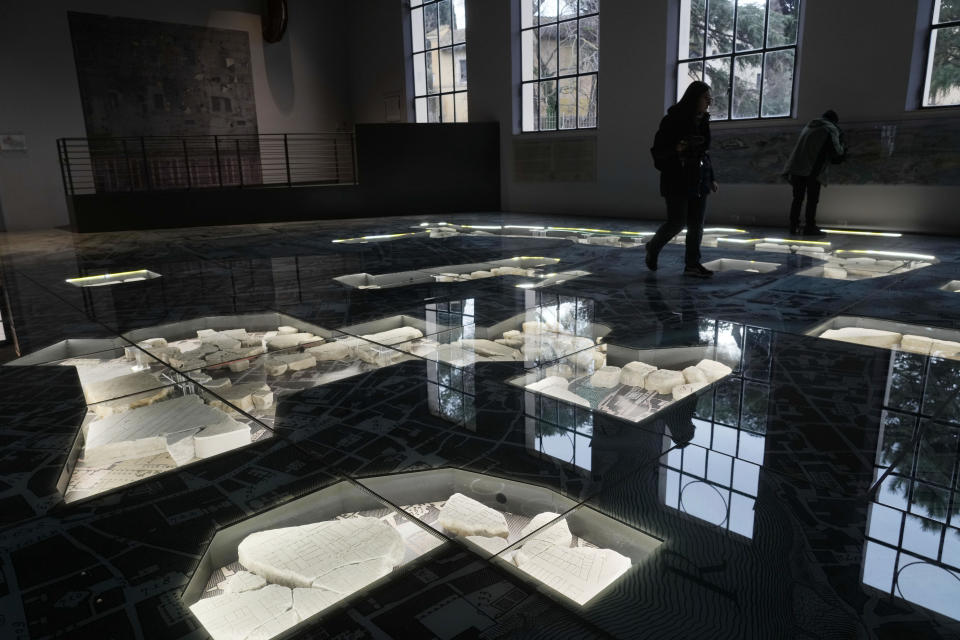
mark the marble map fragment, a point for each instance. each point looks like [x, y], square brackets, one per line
[557, 533]
[144, 431]
[634, 373]
[606, 377]
[466, 517]
[579, 573]
[713, 370]
[869, 337]
[309, 601]
[662, 381]
[221, 437]
[242, 581]
[235, 616]
[349, 551]
[491, 544]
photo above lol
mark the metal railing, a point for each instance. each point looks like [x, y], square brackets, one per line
[152, 163]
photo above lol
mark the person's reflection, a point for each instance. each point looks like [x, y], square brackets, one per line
[679, 327]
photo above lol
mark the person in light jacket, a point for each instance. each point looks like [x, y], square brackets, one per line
[820, 143]
[681, 154]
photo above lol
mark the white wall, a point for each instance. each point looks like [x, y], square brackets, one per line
[299, 83]
[855, 57]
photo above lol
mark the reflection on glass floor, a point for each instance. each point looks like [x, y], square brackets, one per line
[713, 451]
[913, 525]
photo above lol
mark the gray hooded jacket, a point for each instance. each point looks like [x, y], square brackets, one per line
[819, 142]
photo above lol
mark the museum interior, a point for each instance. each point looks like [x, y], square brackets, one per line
[413, 314]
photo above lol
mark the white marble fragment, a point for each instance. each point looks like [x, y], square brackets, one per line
[835, 273]
[476, 275]
[286, 331]
[693, 375]
[916, 344]
[513, 343]
[263, 399]
[713, 370]
[275, 627]
[221, 341]
[465, 516]
[684, 390]
[314, 555]
[206, 333]
[579, 573]
[336, 350]
[145, 431]
[566, 395]
[214, 383]
[513, 333]
[490, 349]
[663, 381]
[634, 373]
[557, 533]
[239, 365]
[242, 581]
[239, 395]
[859, 335]
[379, 355]
[606, 377]
[491, 544]
[218, 438]
[395, 336]
[236, 334]
[290, 340]
[310, 601]
[549, 382]
[946, 348]
[233, 616]
[100, 390]
[277, 364]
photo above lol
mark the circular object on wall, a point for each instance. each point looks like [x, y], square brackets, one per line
[274, 20]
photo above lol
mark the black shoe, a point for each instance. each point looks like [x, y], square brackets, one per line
[814, 231]
[650, 260]
[698, 271]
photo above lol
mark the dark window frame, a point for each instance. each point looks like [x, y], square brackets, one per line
[558, 77]
[427, 95]
[734, 54]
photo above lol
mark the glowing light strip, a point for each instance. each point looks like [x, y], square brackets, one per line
[521, 226]
[107, 276]
[481, 226]
[380, 237]
[885, 234]
[786, 241]
[525, 285]
[723, 230]
[578, 229]
[739, 240]
[535, 258]
[895, 254]
[638, 233]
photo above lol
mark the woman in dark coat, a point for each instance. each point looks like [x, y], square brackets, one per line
[681, 153]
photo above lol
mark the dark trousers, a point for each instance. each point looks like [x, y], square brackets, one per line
[804, 186]
[682, 210]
